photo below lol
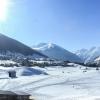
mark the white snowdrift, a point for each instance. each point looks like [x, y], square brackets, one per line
[27, 71]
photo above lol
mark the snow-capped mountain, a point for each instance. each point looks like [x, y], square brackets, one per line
[96, 61]
[56, 52]
[88, 55]
[9, 45]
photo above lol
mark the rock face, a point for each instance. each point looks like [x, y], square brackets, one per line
[14, 46]
[56, 52]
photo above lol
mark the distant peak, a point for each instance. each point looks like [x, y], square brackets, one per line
[50, 45]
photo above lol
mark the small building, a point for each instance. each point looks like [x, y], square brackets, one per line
[8, 95]
[12, 74]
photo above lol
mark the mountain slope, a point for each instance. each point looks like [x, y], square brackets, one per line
[56, 52]
[9, 44]
[88, 55]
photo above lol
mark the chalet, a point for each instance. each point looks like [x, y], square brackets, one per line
[8, 95]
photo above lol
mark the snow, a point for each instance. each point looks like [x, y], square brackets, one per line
[50, 45]
[44, 46]
[59, 83]
[26, 71]
[88, 55]
[97, 59]
[7, 62]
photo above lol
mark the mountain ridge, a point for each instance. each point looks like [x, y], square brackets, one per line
[12, 45]
[88, 55]
[56, 52]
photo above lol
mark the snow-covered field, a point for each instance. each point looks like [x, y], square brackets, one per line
[54, 83]
[7, 62]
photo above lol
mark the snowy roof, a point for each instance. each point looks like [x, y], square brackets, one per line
[7, 92]
[2, 92]
[21, 93]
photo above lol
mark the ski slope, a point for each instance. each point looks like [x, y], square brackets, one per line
[54, 83]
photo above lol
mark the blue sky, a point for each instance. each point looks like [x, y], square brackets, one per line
[72, 24]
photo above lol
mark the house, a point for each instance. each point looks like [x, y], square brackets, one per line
[16, 95]
[7, 95]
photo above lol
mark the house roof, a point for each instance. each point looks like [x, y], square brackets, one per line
[21, 93]
[2, 92]
[6, 92]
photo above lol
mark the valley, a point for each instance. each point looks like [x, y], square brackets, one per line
[48, 71]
